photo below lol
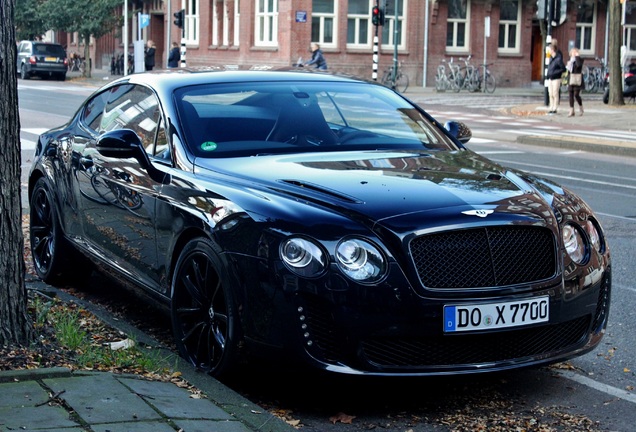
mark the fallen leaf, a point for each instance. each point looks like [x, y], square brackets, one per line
[342, 418]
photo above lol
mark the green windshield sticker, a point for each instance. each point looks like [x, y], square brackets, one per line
[208, 146]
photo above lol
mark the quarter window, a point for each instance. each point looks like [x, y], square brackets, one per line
[323, 17]
[586, 27]
[509, 26]
[457, 27]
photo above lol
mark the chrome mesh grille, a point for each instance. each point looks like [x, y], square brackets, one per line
[484, 257]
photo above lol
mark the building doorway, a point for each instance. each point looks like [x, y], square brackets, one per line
[537, 55]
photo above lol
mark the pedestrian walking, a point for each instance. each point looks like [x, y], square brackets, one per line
[149, 57]
[174, 56]
[317, 58]
[575, 84]
[556, 67]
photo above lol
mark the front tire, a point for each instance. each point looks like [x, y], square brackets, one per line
[204, 315]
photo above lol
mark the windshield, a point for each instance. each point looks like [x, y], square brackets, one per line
[246, 119]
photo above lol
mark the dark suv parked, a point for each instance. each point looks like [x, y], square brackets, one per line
[41, 58]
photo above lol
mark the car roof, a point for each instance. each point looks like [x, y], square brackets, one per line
[171, 79]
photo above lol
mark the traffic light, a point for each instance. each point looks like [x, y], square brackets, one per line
[542, 9]
[179, 18]
[560, 12]
[377, 16]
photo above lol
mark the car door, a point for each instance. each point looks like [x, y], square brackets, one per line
[118, 197]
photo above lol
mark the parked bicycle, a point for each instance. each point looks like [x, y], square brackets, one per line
[595, 77]
[486, 81]
[467, 78]
[76, 63]
[445, 79]
[397, 80]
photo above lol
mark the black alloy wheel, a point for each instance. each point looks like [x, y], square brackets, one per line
[47, 244]
[204, 317]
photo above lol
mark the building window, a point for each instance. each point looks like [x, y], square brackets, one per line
[359, 23]
[225, 25]
[457, 27]
[586, 27]
[191, 22]
[630, 28]
[266, 23]
[237, 22]
[509, 26]
[388, 30]
[323, 17]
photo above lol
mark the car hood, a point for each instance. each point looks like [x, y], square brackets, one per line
[384, 186]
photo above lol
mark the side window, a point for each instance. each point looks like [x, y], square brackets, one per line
[133, 107]
[94, 110]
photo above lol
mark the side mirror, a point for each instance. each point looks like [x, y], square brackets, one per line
[124, 144]
[459, 130]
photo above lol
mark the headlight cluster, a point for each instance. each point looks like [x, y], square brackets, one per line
[579, 239]
[303, 257]
[358, 259]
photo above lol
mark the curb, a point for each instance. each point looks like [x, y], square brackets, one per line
[617, 148]
[34, 374]
[247, 412]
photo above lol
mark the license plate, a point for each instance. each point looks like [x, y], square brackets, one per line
[50, 59]
[462, 317]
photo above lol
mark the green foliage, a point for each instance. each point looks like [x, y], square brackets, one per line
[29, 20]
[86, 17]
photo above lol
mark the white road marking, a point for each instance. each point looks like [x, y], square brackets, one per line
[604, 388]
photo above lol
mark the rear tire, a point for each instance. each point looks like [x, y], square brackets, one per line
[204, 315]
[23, 73]
[50, 251]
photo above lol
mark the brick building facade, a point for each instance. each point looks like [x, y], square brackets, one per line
[278, 33]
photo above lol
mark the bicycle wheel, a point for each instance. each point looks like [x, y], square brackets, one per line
[386, 79]
[402, 82]
[490, 83]
[440, 85]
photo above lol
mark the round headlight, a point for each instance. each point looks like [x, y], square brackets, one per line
[303, 257]
[360, 260]
[574, 243]
[594, 235]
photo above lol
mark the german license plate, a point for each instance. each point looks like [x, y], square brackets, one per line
[471, 317]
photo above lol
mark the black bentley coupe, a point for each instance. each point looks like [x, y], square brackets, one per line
[319, 217]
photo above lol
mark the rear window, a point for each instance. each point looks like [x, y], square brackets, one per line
[49, 50]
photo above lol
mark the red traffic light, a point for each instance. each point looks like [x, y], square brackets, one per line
[377, 16]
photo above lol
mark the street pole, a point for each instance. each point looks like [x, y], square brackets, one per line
[376, 51]
[548, 41]
[395, 45]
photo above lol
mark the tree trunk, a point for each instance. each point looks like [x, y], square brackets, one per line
[87, 55]
[15, 324]
[615, 67]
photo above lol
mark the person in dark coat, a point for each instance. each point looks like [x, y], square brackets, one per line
[556, 67]
[317, 58]
[174, 56]
[149, 58]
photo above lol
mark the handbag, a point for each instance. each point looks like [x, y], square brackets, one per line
[576, 79]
